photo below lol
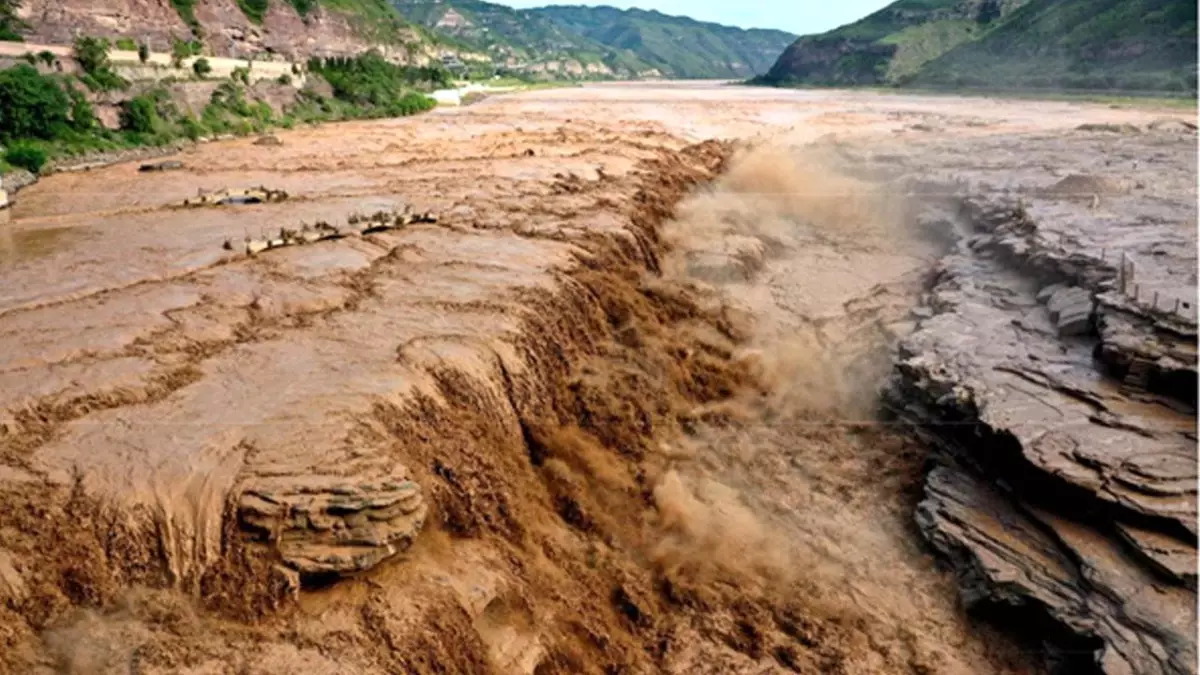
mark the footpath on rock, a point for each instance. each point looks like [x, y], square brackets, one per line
[521, 388]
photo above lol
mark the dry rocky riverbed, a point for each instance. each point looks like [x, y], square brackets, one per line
[879, 387]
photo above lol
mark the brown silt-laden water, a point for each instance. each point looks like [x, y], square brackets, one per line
[597, 391]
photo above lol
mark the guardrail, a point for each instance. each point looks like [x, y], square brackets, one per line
[1157, 301]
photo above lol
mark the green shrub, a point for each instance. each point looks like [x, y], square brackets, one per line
[140, 115]
[228, 96]
[83, 115]
[92, 55]
[126, 44]
[31, 104]
[182, 49]
[26, 155]
[303, 7]
[202, 68]
[369, 81]
[10, 24]
[285, 80]
[255, 10]
[191, 127]
[240, 74]
[47, 57]
[187, 11]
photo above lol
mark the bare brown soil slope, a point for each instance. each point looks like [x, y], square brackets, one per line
[553, 432]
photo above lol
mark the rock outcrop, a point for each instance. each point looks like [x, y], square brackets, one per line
[1064, 495]
[226, 30]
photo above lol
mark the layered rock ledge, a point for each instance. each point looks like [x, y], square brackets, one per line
[1058, 397]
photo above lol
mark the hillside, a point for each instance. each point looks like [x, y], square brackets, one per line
[1126, 45]
[600, 41]
[292, 29]
[676, 46]
[520, 40]
[485, 38]
[1134, 45]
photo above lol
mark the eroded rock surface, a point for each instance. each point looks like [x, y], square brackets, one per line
[1062, 400]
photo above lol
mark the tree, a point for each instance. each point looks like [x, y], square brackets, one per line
[31, 105]
[139, 114]
[180, 50]
[143, 52]
[92, 54]
[202, 68]
[83, 115]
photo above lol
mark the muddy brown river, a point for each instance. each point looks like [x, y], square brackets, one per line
[614, 411]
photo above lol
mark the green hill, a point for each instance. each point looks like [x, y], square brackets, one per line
[676, 46]
[599, 41]
[514, 39]
[1117, 45]
[1128, 45]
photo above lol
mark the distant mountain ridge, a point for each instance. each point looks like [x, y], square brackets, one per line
[600, 41]
[470, 36]
[1126, 45]
[677, 46]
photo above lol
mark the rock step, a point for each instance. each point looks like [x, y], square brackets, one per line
[1138, 375]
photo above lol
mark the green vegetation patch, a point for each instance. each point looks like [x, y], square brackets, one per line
[1095, 46]
[255, 10]
[920, 44]
[31, 104]
[26, 155]
[303, 7]
[10, 24]
[92, 55]
[187, 11]
[375, 84]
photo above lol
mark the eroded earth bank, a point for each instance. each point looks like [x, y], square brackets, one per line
[638, 378]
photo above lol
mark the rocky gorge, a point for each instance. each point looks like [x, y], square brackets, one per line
[1054, 369]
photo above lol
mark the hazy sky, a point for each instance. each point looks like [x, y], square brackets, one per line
[796, 16]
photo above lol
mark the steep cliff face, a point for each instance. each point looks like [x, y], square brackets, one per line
[224, 27]
[833, 61]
